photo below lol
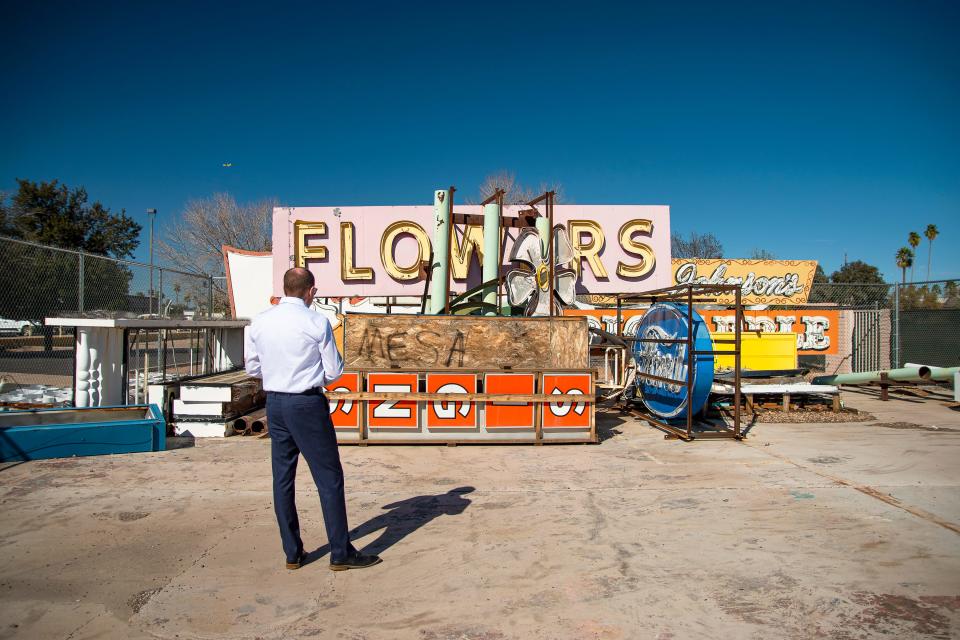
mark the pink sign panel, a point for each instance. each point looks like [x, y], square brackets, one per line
[378, 251]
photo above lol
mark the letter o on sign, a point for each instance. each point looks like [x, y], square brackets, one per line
[387, 246]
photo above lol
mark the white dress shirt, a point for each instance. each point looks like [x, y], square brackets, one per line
[291, 348]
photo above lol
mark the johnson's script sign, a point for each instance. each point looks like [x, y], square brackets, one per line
[380, 251]
[761, 281]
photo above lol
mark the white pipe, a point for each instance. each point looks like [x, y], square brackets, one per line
[940, 374]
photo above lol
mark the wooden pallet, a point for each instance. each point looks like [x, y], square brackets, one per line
[789, 397]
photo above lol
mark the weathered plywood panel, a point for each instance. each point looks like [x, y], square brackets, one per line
[464, 342]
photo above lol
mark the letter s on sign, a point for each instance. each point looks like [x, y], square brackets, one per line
[639, 249]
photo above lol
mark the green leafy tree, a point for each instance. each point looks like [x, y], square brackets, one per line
[951, 295]
[904, 261]
[820, 289]
[857, 284]
[38, 282]
[931, 297]
[931, 233]
[917, 297]
[52, 213]
[914, 241]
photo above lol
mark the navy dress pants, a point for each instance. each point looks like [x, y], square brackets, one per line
[300, 423]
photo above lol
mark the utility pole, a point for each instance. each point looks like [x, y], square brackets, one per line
[153, 214]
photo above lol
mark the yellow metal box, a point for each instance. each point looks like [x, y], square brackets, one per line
[762, 351]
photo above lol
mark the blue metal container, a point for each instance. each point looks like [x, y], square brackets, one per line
[668, 321]
[61, 433]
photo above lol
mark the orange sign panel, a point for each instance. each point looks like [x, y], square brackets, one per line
[390, 414]
[345, 413]
[509, 415]
[451, 414]
[817, 330]
[566, 414]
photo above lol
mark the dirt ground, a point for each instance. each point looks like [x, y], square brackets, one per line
[802, 531]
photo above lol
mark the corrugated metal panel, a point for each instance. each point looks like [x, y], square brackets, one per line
[866, 341]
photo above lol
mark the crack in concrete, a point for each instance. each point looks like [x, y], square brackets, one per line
[870, 491]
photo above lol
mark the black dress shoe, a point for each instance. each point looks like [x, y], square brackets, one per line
[355, 560]
[296, 564]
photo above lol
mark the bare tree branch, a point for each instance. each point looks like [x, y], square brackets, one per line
[696, 245]
[193, 242]
[514, 192]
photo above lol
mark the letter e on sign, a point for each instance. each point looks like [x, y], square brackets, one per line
[566, 414]
[451, 414]
[509, 415]
[392, 414]
[345, 413]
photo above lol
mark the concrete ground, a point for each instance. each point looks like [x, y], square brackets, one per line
[803, 531]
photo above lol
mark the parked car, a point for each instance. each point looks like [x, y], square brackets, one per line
[17, 327]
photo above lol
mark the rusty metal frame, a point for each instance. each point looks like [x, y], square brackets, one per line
[523, 220]
[688, 294]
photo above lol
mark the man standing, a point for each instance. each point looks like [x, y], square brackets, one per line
[292, 349]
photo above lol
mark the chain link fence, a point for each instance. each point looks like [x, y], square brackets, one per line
[38, 282]
[886, 326]
[844, 327]
[927, 323]
[857, 327]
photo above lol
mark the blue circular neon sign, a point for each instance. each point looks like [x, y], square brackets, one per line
[668, 321]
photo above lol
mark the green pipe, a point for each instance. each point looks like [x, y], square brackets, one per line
[491, 251]
[439, 286]
[543, 228]
[940, 374]
[907, 374]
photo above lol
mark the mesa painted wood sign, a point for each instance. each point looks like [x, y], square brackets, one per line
[373, 341]
[464, 379]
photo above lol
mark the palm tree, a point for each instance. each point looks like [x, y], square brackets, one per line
[914, 240]
[931, 234]
[904, 260]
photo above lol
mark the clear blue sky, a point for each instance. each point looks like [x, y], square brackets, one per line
[810, 129]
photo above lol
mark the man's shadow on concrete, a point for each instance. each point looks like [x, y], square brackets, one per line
[402, 519]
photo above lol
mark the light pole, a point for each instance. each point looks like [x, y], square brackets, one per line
[153, 214]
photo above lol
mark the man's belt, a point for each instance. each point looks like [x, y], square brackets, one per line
[316, 391]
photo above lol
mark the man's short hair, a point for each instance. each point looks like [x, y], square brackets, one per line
[297, 281]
